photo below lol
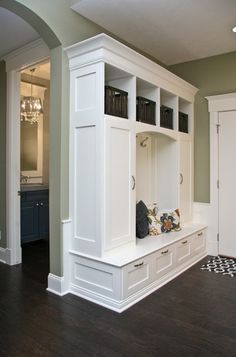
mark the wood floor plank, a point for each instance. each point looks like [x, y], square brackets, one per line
[193, 316]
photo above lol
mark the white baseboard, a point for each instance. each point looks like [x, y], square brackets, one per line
[5, 256]
[57, 285]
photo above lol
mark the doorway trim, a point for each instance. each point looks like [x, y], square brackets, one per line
[33, 53]
[216, 104]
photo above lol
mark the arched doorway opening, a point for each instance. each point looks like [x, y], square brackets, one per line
[16, 61]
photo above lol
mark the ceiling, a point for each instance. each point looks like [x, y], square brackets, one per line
[173, 31]
[19, 33]
[14, 32]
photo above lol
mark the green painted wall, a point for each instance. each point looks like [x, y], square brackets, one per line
[59, 27]
[3, 154]
[213, 75]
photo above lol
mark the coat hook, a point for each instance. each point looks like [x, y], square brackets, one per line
[142, 143]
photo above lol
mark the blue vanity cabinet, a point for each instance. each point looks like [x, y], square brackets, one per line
[34, 215]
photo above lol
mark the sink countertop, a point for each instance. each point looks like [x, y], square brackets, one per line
[33, 187]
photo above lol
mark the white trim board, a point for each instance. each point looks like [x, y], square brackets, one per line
[32, 53]
[57, 285]
[5, 255]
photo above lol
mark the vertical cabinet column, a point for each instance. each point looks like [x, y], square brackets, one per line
[86, 163]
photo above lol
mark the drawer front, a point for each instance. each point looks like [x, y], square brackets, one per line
[199, 242]
[37, 196]
[137, 275]
[163, 261]
[183, 250]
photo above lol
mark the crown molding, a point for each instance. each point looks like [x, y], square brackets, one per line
[26, 55]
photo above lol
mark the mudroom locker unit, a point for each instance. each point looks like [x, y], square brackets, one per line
[142, 151]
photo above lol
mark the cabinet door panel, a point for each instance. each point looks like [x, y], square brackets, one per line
[137, 275]
[44, 219]
[29, 222]
[120, 184]
[199, 242]
[183, 250]
[163, 261]
[186, 180]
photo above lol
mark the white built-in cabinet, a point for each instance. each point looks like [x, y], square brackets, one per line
[114, 163]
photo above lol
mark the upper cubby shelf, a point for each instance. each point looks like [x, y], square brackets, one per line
[130, 75]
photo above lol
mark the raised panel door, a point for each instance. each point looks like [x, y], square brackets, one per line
[44, 219]
[29, 221]
[185, 194]
[119, 183]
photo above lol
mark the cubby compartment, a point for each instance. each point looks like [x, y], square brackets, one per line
[119, 92]
[156, 170]
[185, 115]
[147, 102]
[168, 110]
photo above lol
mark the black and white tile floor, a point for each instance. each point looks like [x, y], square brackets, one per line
[221, 265]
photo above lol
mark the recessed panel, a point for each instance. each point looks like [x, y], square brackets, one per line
[85, 183]
[85, 92]
[138, 276]
[92, 276]
[120, 182]
[163, 263]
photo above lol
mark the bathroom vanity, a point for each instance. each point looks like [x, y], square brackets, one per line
[34, 212]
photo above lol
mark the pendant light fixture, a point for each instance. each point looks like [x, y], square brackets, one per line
[30, 106]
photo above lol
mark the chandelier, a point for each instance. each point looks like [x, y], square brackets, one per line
[30, 106]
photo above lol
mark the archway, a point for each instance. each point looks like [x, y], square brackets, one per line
[53, 46]
[34, 20]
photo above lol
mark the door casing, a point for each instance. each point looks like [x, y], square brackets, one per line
[216, 104]
[16, 61]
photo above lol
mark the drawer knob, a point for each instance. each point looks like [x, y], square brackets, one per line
[200, 234]
[185, 242]
[37, 204]
[138, 265]
[165, 251]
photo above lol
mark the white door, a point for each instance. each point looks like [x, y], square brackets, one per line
[227, 183]
[120, 183]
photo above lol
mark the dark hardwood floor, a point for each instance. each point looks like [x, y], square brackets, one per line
[194, 315]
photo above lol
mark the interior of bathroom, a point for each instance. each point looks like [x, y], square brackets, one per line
[34, 152]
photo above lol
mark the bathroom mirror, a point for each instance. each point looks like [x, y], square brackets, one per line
[29, 147]
[34, 124]
[31, 155]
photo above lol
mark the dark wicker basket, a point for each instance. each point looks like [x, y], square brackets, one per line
[166, 118]
[116, 102]
[145, 110]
